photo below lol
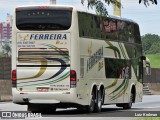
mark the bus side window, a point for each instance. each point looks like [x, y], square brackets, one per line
[117, 68]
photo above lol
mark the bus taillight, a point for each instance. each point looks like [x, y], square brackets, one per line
[73, 78]
[14, 78]
[14, 75]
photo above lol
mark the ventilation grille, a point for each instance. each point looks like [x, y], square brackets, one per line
[82, 67]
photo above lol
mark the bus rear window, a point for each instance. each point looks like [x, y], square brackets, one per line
[43, 19]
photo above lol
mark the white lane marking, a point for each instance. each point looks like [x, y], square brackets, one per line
[153, 107]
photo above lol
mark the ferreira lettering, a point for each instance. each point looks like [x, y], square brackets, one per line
[94, 58]
[48, 37]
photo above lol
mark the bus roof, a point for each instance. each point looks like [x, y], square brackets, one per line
[73, 7]
[44, 7]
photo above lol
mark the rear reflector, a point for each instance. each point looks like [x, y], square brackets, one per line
[73, 78]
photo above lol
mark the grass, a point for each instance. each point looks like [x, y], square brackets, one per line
[148, 118]
[155, 60]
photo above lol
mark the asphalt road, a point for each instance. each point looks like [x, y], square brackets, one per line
[149, 107]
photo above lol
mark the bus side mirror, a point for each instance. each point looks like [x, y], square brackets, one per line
[148, 69]
[147, 64]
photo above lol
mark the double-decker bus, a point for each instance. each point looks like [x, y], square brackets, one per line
[62, 57]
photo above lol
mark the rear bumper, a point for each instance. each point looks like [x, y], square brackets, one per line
[44, 97]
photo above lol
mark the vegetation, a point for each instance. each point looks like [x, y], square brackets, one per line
[6, 50]
[1, 55]
[151, 47]
[101, 8]
[146, 2]
[155, 60]
[151, 44]
[149, 118]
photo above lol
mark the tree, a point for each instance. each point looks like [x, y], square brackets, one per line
[151, 43]
[154, 49]
[146, 2]
[6, 49]
[101, 8]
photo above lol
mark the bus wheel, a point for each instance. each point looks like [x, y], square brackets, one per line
[99, 101]
[90, 108]
[128, 105]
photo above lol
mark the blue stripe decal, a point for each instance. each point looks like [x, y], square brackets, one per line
[62, 68]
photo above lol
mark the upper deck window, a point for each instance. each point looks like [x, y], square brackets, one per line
[43, 19]
[108, 28]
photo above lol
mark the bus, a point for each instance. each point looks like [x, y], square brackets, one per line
[62, 57]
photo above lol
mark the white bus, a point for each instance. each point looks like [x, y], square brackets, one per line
[62, 57]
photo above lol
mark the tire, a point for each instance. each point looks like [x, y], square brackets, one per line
[32, 108]
[128, 105]
[90, 108]
[41, 108]
[99, 101]
[103, 93]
